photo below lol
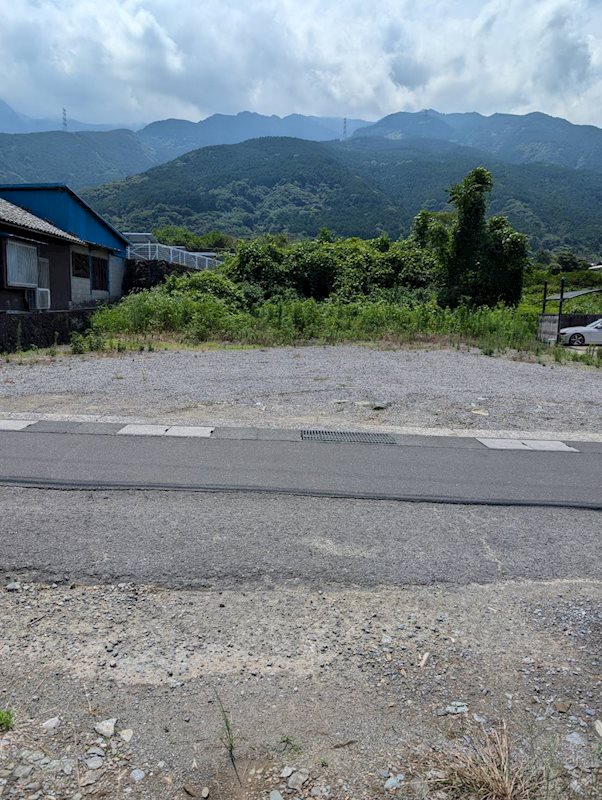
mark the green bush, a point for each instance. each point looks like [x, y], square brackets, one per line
[197, 285]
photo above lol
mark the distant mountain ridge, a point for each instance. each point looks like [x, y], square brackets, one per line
[87, 158]
[519, 139]
[13, 122]
[172, 137]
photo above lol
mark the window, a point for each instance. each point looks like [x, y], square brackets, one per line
[100, 274]
[80, 267]
[21, 264]
[43, 273]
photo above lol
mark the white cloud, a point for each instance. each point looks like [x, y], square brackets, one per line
[146, 59]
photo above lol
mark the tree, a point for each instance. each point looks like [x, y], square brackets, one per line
[464, 263]
[569, 262]
[503, 266]
[486, 259]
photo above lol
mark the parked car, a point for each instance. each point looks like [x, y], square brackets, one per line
[583, 334]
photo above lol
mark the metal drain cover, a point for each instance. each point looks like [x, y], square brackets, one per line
[347, 436]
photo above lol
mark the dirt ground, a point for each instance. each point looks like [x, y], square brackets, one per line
[350, 688]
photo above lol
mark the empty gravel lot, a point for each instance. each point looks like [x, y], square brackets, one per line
[334, 386]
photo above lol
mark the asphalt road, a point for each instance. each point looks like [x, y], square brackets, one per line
[292, 511]
[466, 473]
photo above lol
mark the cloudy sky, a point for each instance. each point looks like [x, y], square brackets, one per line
[139, 60]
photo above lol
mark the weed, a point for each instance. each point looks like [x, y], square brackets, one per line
[228, 739]
[52, 350]
[6, 719]
[79, 344]
[289, 744]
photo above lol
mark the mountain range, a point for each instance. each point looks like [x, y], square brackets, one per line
[84, 158]
[247, 172]
[356, 188]
[12, 121]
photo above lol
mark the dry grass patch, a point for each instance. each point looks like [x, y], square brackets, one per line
[492, 768]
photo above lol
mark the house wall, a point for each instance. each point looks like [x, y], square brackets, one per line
[10, 299]
[81, 288]
[59, 257]
[116, 273]
[14, 298]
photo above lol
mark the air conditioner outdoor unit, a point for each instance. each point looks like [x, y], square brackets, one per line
[43, 299]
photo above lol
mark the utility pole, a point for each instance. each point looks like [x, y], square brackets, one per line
[64, 119]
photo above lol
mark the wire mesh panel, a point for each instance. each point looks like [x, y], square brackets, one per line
[347, 436]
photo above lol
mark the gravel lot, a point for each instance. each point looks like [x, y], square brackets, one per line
[346, 686]
[327, 386]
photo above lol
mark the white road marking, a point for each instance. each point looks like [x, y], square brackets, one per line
[143, 430]
[542, 445]
[15, 424]
[190, 430]
[549, 446]
[503, 444]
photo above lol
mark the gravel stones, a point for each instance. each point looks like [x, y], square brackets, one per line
[126, 734]
[15, 586]
[297, 779]
[394, 782]
[52, 725]
[137, 775]
[575, 739]
[106, 728]
[457, 707]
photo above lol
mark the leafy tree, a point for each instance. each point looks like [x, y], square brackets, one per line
[504, 260]
[176, 235]
[567, 261]
[486, 259]
[260, 262]
[464, 264]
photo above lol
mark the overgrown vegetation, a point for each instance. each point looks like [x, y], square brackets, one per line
[457, 277]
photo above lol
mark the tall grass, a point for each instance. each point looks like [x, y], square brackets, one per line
[290, 321]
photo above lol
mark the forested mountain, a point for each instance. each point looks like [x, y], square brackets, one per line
[357, 187]
[78, 159]
[519, 139]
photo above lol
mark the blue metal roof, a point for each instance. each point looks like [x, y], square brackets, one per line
[60, 205]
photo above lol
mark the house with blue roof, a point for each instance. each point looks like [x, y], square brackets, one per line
[84, 265]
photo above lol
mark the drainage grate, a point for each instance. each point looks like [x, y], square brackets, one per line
[347, 436]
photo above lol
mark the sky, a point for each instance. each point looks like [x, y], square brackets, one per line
[133, 61]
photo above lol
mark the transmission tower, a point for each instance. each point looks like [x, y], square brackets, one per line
[345, 128]
[64, 119]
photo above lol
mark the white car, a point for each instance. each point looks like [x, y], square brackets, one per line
[583, 334]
